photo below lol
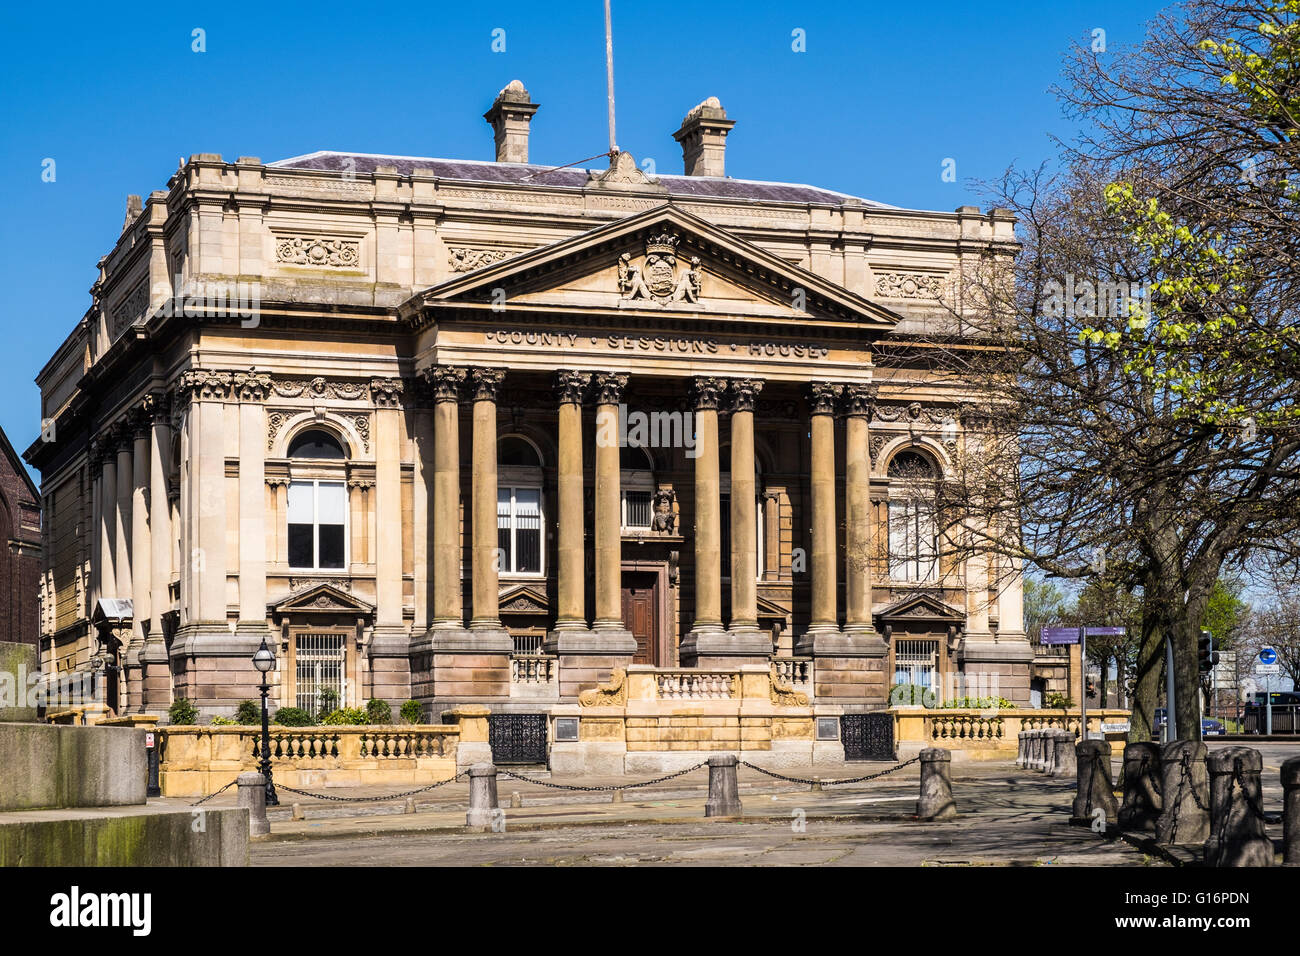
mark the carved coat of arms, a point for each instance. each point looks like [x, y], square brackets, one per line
[658, 279]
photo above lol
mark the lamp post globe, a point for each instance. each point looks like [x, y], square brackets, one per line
[264, 661]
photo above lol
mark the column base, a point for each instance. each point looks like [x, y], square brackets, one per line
[718, 647]
[483, 640]
[214, 666]
[587, 656]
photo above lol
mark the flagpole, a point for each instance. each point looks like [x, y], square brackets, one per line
[609, 75]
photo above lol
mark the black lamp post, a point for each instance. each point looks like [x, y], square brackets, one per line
[264, 661]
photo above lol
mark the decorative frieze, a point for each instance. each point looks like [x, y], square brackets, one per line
[319, 251]
[362, 425]
[318, 387]
[913, 412]
[466, 259]
[131, 307]
[909, 285]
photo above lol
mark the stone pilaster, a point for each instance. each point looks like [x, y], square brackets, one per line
[389, 648]
[251, 390]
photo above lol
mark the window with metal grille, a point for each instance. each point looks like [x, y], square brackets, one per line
[638, 509]
[519, 530]
[320, 682]
[916, 662]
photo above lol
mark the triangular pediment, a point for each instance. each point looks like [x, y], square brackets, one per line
[322, 598]
[661, 263]
[523, 599]
[920, 607]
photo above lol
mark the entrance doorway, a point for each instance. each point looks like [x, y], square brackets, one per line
[641, 614]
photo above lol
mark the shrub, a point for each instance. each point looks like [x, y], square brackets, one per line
[292, 717]
[329, 701]
[902, 695]
[182, 712]
[378, 712]
[1060, 701]
[248, 713]
[978, 703]
[345, 715]
[225, 722]
[412, 712]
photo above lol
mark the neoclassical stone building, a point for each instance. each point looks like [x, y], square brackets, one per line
[470, 431]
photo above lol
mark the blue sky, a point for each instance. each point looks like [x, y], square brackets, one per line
[114, 94]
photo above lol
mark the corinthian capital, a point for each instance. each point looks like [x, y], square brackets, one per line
[823, 396]
[609, 387]
[486, 382]
[706, 392]
[744, 393]
[386, 392]
[446, 382]
[571, 386]
[858, 400]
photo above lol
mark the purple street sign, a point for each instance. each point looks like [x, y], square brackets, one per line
[1106, 632]
[1059, 635]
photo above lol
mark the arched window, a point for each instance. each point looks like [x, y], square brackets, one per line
[519, 506]
[913, 533]
[315, 443]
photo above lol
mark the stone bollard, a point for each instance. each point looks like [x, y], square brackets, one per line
[1093, 787]
[1185, 794]
[1142, 803]
[1049, 752]
[1291, 811]
[1237, 833]
[482, 795]
[252, 794]
[617, 797]
[724, 795]
[935, 802]
[1031, 750]
[296, 812]
[1041, 737]
[1022, 750]
[410, 805]
[1063, 748]
[516, 801]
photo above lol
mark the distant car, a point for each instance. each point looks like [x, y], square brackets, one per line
[1209, 726]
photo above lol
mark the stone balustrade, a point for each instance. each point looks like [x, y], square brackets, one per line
[795, 671]
[533, 669]
[195, 761]
[990, 734]
[690, 684]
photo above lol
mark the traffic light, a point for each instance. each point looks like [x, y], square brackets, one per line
[1206, 657]
[1092, 687]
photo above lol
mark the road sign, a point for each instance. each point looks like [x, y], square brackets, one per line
[1267, 655]
[1268, 669]
[1106, 632]
[1059, 635]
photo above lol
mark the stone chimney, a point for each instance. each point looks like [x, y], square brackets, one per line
[703, 136]
[510, 115]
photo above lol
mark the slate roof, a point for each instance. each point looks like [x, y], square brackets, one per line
[470, 170]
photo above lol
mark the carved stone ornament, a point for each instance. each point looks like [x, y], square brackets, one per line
[664, 520]
[706, 392]
[318, 387]
[909, 285]
[199, 384]
[625, 173]
[657, 278]
[485, 382]
[321, 251]
[744, 393]
[446, 382]
[252, 386]
[823, 396]
[784, 695]
[570, 386]
[386, 392]
[613, 694]
[609, 387]
[464, 259]
[858, 399]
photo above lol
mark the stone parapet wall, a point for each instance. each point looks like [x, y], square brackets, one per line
[196, 761]
[990, 734]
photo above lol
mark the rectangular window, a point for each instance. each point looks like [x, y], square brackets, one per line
[916, 663]
[519, 530]
[320, 685]
[318, 525]
[913, 545]
[638, 508]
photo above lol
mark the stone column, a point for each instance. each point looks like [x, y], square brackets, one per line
[141, 559]
[107, 518]
[486, 616]
[571, 603]
[122, 512]
[857, 514]
[157, 676]
[707, 637]
[251, 389]
[744, 518]
[609, 538]
[447, 583]
[387, 396]
[822, 507]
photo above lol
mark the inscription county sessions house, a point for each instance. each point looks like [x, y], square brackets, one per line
[488, 431]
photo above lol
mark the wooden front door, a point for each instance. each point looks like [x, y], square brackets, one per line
[641, 614]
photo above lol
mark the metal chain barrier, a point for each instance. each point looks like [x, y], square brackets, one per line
[829, 783]
[385, 796]
[211, 795]
[623, 786]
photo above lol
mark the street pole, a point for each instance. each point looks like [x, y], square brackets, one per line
[1083, 682]
[1171, 725]
[1268, 704]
